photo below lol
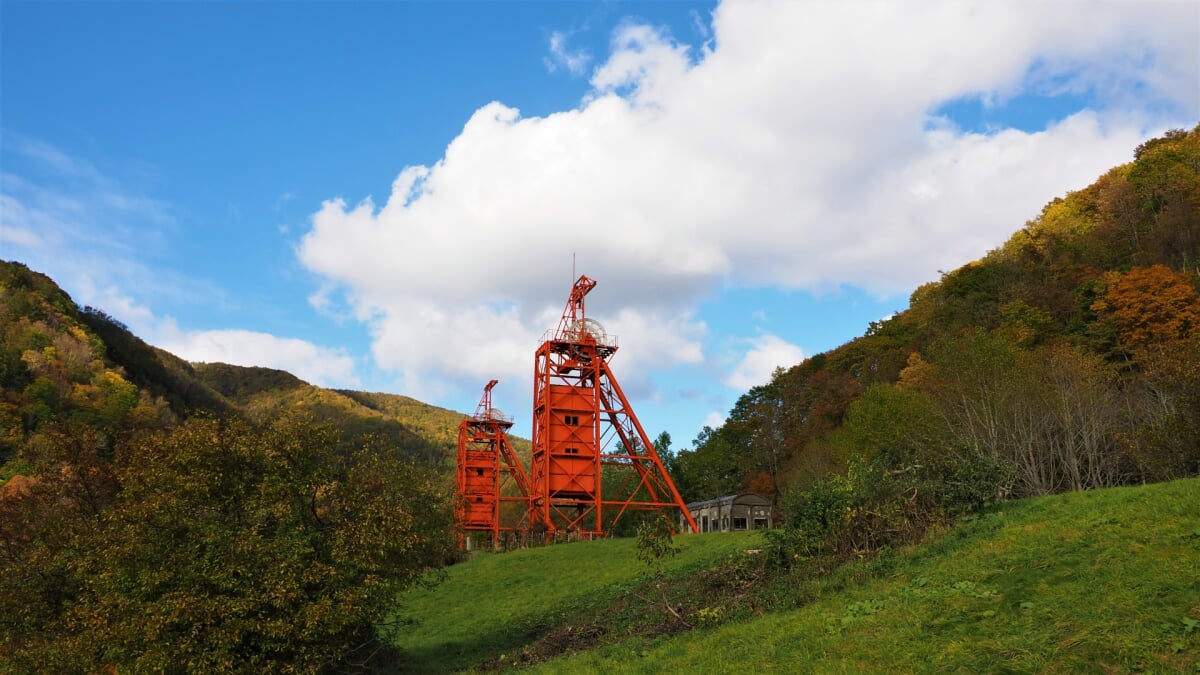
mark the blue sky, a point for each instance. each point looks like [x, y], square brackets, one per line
[389, 195]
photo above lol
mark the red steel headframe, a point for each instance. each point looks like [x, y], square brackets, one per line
[592, 460]
[492, 489]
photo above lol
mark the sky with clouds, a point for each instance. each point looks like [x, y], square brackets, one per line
[396, 196]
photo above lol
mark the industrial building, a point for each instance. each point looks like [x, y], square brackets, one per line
[744, 511]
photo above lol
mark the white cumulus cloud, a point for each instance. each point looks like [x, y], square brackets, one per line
[798, 148]
[317, 365]
[714, 420]
[767, 353]
[575, 61]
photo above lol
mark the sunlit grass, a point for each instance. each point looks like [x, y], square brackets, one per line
[497, 603]
[1105, 581]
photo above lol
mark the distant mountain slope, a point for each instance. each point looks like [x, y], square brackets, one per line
[62, 364]
[262, 393]
[159, 372]
[260, 390]
[439, 425]
[241, 383]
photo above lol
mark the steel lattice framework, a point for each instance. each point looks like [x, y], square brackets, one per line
[492, 493]
[592, 461]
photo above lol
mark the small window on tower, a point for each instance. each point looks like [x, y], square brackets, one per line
[478, 472]
[571, 419]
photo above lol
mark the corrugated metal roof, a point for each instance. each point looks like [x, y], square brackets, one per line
[727, 499]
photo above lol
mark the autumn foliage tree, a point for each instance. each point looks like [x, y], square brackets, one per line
[1149, 305]
[41, 523]
[223, 548]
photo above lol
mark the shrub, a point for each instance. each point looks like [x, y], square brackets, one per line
[226, 548]
[883, 502]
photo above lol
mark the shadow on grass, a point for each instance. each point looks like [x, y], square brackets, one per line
[459, 655]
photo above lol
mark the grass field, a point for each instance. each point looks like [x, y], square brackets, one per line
[1104, 581]
[498, 603]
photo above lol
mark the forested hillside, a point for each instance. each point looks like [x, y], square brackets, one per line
[54, 368]
[63, 364]
[263, 394]
[155, 513]
[1068, 358]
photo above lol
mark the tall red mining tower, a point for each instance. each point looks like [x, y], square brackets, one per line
[492, 494]
[592, 461]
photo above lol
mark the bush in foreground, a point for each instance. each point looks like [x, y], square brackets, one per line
[223, 547]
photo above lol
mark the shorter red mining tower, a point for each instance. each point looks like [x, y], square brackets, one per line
[592, 461]
[492, 493]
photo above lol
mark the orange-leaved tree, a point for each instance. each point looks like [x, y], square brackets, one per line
[1149, 306]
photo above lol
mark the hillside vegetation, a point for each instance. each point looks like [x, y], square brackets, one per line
[1070, 355]
[60, 364]
[1105, 580]
[158, 515]
[262, 394]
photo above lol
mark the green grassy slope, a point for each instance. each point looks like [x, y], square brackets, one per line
[497, 604]
[1105, 581]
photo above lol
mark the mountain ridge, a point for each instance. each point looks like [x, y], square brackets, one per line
[60, 363]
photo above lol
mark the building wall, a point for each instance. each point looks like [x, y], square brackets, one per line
[733, 512]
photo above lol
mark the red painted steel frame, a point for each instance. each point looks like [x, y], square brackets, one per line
[585, 434]
[488, 474]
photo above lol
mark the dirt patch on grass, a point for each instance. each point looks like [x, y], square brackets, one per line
[611, 626]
